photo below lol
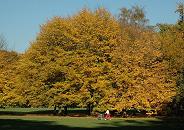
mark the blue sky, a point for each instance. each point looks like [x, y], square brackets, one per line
[20, 20]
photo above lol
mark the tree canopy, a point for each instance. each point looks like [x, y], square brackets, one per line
[96, 61]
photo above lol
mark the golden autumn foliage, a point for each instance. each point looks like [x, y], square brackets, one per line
[71, 56]
[8, 60]
[91, 60]
[172, 39]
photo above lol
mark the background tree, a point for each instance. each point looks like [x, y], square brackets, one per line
[8, 73]
[135, 16]
[133, 21]
[172, 40]
[139, 84]
[180, 10]
[3, 43]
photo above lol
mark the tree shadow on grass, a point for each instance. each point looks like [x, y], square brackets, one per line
[19, 113]
[71, 112]
[164, 124]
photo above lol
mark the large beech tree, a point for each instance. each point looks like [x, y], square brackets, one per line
[90, 60]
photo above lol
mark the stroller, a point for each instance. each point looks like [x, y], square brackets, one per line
[104, 116]
[100, 116]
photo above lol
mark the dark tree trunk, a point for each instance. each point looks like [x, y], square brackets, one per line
[89, 109]
[65, 110]
[55, 110]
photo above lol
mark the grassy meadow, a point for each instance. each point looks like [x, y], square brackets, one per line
[35, 121]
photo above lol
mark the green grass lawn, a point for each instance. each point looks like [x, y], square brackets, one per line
[33, 122]
[41, 119]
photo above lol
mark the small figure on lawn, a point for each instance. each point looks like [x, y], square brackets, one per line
[107, 115]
